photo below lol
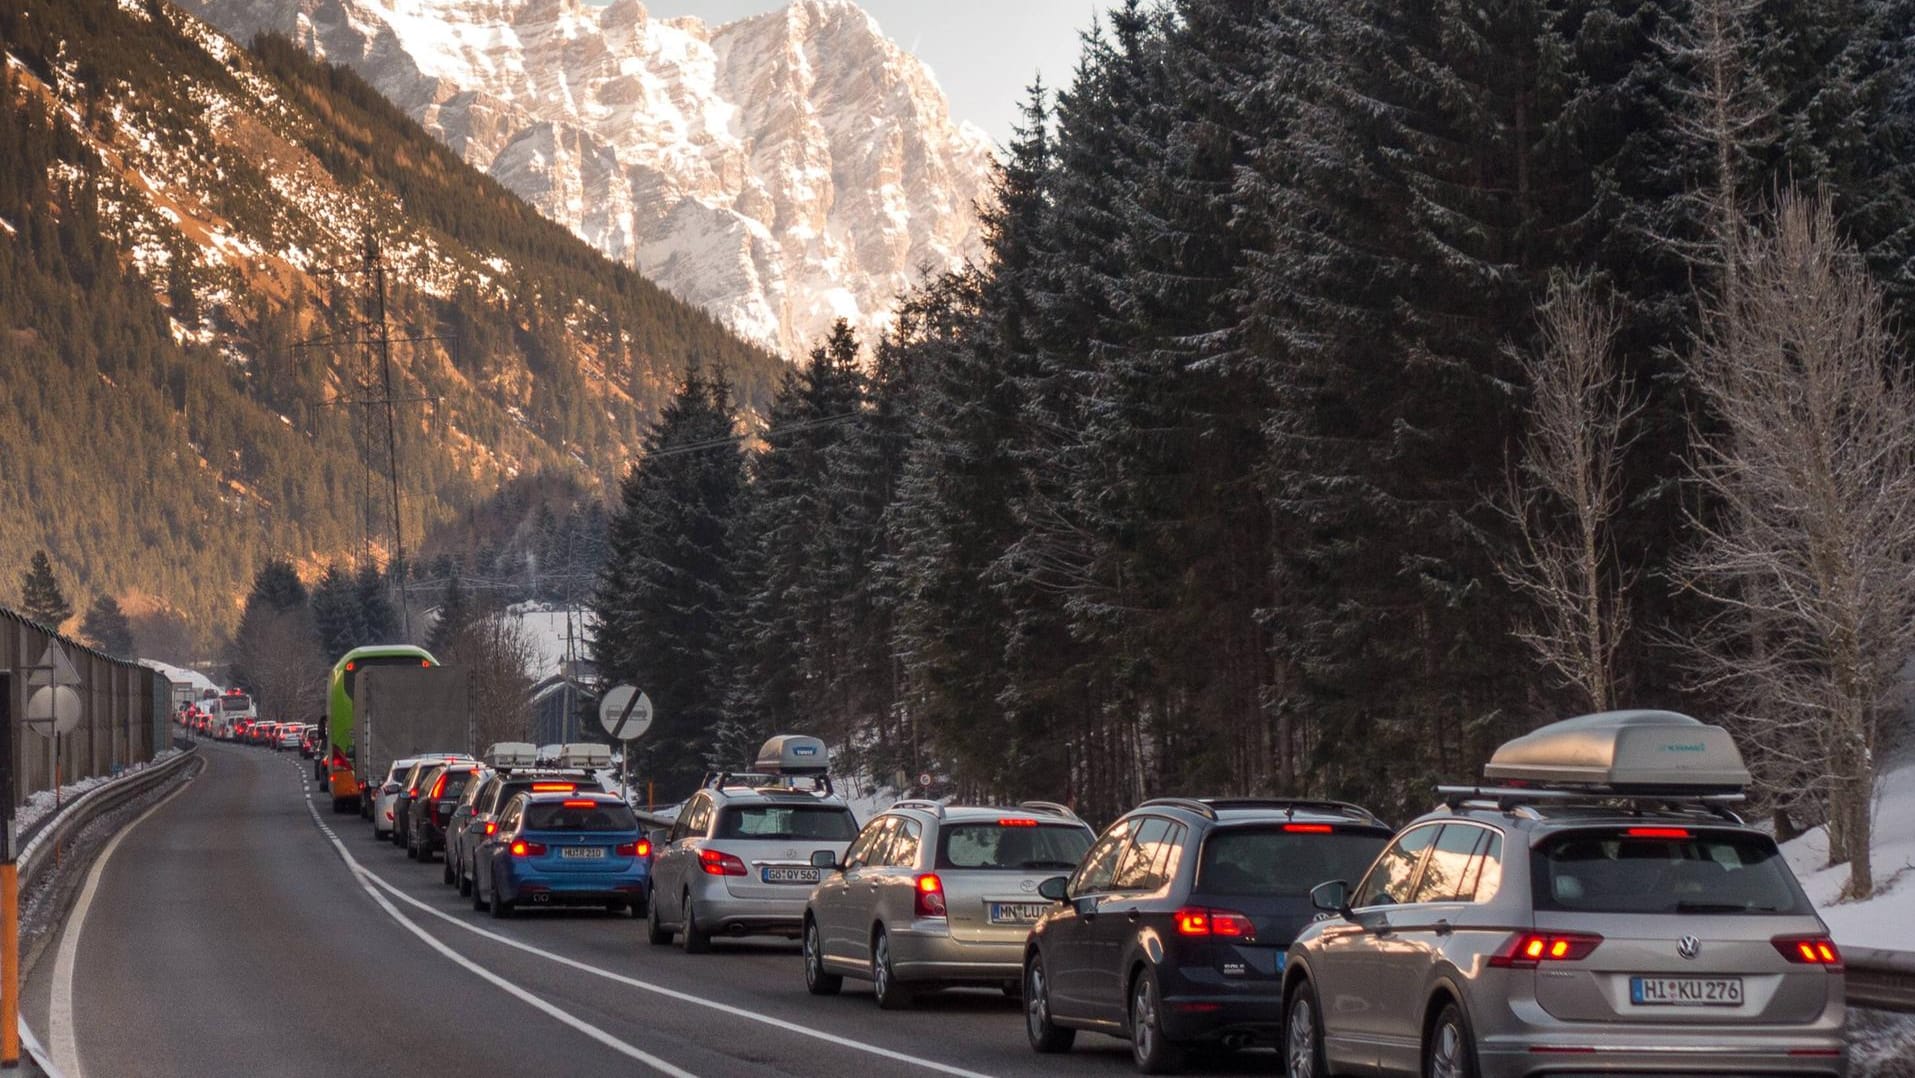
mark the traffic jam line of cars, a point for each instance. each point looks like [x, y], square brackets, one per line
[1596, 907]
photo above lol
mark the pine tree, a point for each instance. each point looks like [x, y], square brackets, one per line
[107, 628]
[40, 596]
[664, 598]
[455, 616]
[337, 613]
[378, 621]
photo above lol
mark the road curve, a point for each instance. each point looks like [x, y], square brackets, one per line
[239, 931]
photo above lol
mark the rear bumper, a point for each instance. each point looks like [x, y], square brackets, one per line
[723, 913]
[1620, 1052]
[931, 955]
[555, 890]
[1240, 1018]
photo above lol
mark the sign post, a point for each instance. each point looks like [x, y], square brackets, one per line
[52, 712]
[626, 714]
[9, 890]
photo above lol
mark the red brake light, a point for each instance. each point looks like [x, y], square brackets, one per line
[1657, 832]
[425, 664]
[1308, 828]
[491, 828]
[1017, 823]
[351, 666]
[641, 848]
[930, 894]
[580, 804]
[438, 788]
[553, 787]
[1527, 950]
[1196, 921]
[1809, 950]
[715, 863]
[522, 848]
[413, 793]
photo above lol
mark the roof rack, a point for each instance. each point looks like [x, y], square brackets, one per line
[1293, 805]
[1188, 804]
[1511, 798]
[1051, 807]
[922, 804]
[758, 780]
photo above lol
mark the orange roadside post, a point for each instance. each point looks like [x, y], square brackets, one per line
[9, 890]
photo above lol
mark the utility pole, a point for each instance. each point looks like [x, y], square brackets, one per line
[376, 266]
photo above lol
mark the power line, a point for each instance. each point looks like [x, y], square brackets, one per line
[739, 439]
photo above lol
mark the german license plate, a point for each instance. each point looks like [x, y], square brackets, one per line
[777, 874]
[1685, 991]
[1017, 913]
[583, 853]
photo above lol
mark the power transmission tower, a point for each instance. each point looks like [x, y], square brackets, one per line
[373, 393]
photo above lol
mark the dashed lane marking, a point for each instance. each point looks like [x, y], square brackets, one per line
[367, 875]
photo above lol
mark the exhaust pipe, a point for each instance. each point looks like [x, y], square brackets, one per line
[541, 898]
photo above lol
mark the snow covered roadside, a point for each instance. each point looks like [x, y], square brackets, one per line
[39, 805]
[1886, 921]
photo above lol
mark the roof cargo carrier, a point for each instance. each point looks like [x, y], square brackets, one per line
[793, 755]
[1625, 753]
[508, 755]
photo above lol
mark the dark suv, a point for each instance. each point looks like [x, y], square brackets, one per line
[439, 795]
[1172, 931]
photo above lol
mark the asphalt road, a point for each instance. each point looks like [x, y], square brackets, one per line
[229, 936]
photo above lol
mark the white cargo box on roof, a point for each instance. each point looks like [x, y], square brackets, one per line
[585, 754]
[793, 754]
[1640, 752]
[509, 754]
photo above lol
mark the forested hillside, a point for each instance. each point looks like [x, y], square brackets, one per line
[1202, 483]
[178, 215]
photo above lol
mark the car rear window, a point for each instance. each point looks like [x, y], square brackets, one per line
[235, 703]
[600, 816]
[455, 783]
[991, 845]
[784, 823]
[1673, 871]
[1274, 862]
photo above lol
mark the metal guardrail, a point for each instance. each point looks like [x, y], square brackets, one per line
[82, 810]
[1881, 980]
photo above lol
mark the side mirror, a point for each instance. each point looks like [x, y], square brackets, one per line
[1057, 888]
[661, 838]
[824, 859]
[1331, 897]
[390, 789]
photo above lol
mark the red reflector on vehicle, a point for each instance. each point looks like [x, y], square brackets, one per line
[1657, 832]
[1308, 828]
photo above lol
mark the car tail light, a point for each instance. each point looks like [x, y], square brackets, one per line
[1017, 823]
[1656, 832]
[522, 848]
[553, 787]
[413, 794]
[388, 814]
[579, 804]
[1809, 950]
[491, 827]
[1228, 924]
[1308, 828]
[438, 788]
[716, 863]
[1527, 950]
[930, 896]
[641, 848]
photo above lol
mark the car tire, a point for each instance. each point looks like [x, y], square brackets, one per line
[1149, 1048]
[1449, 1048]
[478, 897]
[1046, 1036]
[465, 878]
[1303, 1054]
[692, 938]
[818, 980]
[501, 909]
[892, 995]
[412, 852]
[446, 874]
[656, 934]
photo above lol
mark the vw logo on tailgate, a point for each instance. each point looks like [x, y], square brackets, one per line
[1689, 946]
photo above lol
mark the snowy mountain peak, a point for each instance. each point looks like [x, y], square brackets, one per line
[782, 170]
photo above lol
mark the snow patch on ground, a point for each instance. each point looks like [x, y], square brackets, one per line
[41, 804]
[545, 629]
[1886, 921]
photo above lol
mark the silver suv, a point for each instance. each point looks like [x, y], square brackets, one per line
[930, 896]
[737, 861]
[1612, 916]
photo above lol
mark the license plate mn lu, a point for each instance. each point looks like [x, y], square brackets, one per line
[1016, 913]
[1685, 991]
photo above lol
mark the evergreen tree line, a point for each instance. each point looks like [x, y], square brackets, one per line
[1191, 485]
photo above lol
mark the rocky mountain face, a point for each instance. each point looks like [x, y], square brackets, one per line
[780, 171]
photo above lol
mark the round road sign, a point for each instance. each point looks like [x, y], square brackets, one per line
[54, 705]
[625, 712]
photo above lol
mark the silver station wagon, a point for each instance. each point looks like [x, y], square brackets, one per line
[1604, 912]
[930, 896]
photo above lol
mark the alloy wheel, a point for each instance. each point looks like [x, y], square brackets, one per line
[1300, 1040]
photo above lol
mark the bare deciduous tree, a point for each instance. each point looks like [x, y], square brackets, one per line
[496, 653]
[1565, 491]
[284, 663]
[1807, 546]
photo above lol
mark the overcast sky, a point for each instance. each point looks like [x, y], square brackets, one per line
[984, 52]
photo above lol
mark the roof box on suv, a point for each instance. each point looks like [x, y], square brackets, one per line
[589, 755]
[793, 754]
[506, 755]
[1628, 752]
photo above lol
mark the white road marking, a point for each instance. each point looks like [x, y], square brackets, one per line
[367, 874]
[65, 1045]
